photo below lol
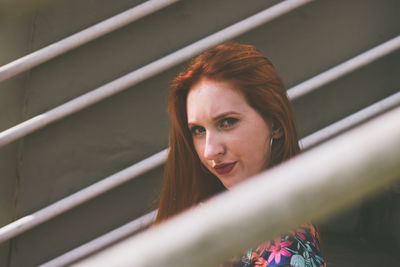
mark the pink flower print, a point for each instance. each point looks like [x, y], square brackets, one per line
[278, 250]
[264, 246]
[301, 233]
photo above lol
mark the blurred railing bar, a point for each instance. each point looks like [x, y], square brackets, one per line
[27, 222]
[147, 71]
[103, 241]
[310, 187]
[51, 51]
[315, 138]
[344, 68]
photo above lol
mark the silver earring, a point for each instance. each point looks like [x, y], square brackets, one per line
[270, 144]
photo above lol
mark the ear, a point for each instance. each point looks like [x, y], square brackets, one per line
[276, 131]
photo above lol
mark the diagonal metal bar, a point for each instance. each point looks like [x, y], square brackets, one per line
[27, 222]
[307, 142]
[101, 242]
[147, 71]
[309, 187]
[350, 121]
[51, 51]
[344, 68]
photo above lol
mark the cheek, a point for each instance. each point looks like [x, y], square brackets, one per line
[255, 151]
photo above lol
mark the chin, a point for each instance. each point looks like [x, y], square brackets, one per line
[229, 184]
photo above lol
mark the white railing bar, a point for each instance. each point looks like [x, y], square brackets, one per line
[103, 241]
[310, 187]
[350, 121]
[27, 222]
[147, 71]
[51, 51]
[344, 68]
[307, 142]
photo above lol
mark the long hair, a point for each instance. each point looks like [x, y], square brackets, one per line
[186, 182]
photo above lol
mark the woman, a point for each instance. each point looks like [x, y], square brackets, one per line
[231, 119]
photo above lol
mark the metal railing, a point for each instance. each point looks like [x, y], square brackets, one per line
[162, 64]
[147, 71]
[101, 242]
[312, 186]
[344, 68]
[350, 121]
[28, 222]
[306, 143]
[100, 29]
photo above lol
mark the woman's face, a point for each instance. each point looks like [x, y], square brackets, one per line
[231, 139]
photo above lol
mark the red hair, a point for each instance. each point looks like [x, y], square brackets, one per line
[186, 182]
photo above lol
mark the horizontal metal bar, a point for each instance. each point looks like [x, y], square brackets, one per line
[310, 187]
[307, 142]
[42, 55]
[344, 68]
[27, 222]
[350, 121]
[102, 241]
[147, 71]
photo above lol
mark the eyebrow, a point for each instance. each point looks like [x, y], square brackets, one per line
[216, 118]
[224, 115]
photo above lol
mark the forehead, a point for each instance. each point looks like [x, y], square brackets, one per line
[207, 99]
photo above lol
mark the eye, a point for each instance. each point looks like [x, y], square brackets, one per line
[197, 130]
[226, 123]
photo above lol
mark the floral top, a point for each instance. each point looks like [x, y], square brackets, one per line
[299, 248]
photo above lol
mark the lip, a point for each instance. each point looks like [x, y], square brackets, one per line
[224, 168]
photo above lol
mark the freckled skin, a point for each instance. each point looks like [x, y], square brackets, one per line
[239, 135]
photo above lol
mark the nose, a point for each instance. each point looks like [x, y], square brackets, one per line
[214, 148]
